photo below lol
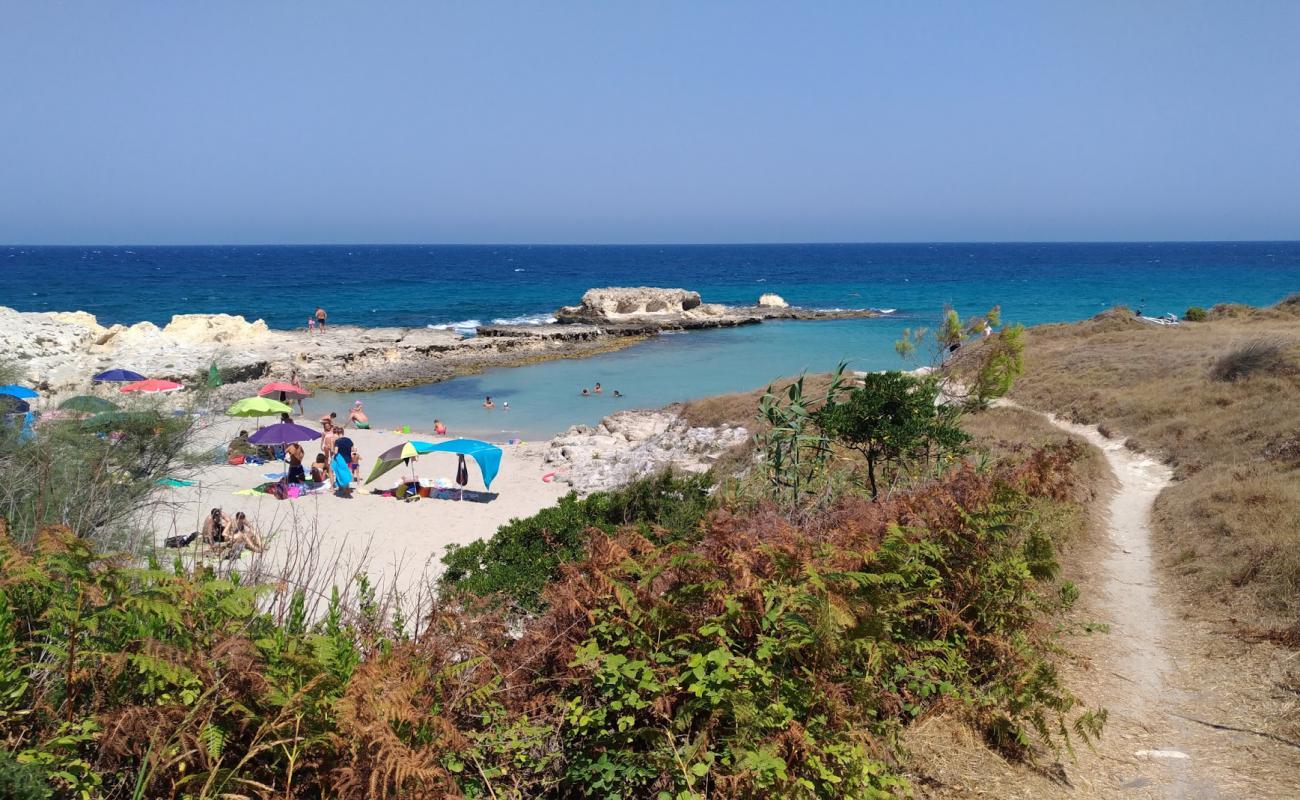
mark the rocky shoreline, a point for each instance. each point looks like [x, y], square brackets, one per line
[59, 351]
[628, 445]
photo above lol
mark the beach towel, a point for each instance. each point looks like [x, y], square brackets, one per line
[342, 473]
[174, 482]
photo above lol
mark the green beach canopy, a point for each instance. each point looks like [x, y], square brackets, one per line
[257, 407]
[88, 405]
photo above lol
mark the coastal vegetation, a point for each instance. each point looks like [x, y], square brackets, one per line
[685, 636]
[1216, 400]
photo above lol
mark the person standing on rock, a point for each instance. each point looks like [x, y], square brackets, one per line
[320, 319]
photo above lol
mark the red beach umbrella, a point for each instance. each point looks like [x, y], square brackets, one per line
[286, 391]
[151, 386]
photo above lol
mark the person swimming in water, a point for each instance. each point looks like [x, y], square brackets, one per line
[617, 393]
[487, 402]
[597, 389]
[585, 393]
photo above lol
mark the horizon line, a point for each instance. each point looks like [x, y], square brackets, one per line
[675, 244]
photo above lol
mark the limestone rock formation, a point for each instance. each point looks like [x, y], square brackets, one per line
[632, 444]
[621, 304]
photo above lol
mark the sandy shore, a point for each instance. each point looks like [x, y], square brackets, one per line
[398, 544]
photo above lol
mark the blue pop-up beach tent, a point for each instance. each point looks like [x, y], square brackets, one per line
[488, 456]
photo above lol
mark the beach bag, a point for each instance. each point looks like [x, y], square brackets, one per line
[180, 541]
[236, 459]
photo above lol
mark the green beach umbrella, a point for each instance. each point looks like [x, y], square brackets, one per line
[214, 376]
[88, 404]
[393, 456]
[257, 407]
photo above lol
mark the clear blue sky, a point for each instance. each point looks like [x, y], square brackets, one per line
[232, 122]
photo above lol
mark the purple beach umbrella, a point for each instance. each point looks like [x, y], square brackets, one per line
[118, 376]
[283, 433]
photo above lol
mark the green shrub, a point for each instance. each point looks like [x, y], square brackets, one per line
[22, 781]
[524, 554]
[1196, 314]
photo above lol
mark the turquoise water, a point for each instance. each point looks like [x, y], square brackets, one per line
[463, 285]
[546, 398]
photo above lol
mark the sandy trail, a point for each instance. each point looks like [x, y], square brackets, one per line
[1154, 669]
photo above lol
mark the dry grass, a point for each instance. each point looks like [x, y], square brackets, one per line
[1232, 522]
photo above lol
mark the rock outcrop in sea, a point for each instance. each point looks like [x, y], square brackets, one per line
[629, 445]
[59, 351]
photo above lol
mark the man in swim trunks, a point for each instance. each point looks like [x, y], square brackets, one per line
[320, 319]
[358, 417]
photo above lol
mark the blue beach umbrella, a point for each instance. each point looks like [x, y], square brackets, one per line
[21, 392]
[488, 456]
[118, 376]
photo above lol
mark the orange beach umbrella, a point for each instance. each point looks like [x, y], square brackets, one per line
[151, 386]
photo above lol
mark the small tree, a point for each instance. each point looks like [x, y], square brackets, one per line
[792, 447]
[1001, 365]
[892, 419]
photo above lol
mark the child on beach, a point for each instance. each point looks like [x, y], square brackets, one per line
[438, 428]
[311, 324]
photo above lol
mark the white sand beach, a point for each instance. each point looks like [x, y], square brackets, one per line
[397, 543]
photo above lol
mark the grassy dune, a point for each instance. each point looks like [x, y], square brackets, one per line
[1220, 401]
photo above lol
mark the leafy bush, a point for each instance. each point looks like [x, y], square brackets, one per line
[792, 447]
[524, 554]
[22, 781]
[1196, 314]
[739, 655]
[892, 419]
[1257, 355]
[1002, 363]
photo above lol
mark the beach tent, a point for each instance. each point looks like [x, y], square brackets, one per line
[118, 376]
[88, 404]
[21, 392]
[487, 456]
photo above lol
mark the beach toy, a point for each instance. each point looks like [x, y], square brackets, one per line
[548, 477]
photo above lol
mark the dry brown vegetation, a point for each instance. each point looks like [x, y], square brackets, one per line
[1220, 401]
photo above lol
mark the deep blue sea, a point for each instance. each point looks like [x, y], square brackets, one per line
[466, 285]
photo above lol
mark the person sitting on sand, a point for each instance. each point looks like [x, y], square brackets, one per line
[243, 532]
[438, 428]
[357, 416]
[320, 471]
[597, 389]
[320, 319]
[294, 454]
[240, 446]
[215, 527]
[487, 402]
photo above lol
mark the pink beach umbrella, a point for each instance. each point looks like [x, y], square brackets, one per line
[286, 391]
[151, 386]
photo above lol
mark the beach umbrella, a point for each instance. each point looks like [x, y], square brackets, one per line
[487, 456]
[152, 386]
[283, 433]
[13, 405]
[287, 391]
[214, 376]
[257, 407]
[402, 453]
[21, 392]
[87, 404]
[118, 376]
